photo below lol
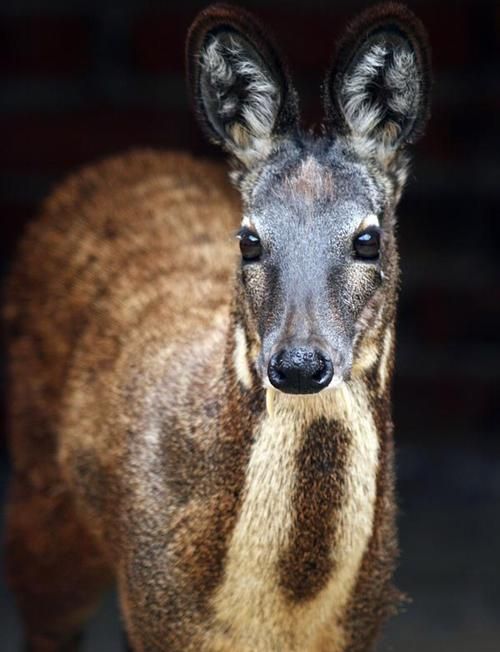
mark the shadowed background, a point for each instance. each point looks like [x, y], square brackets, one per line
[83, 79]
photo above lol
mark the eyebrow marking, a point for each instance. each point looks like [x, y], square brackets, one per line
[370, 220]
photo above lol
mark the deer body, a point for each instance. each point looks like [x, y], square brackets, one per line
[242, 499]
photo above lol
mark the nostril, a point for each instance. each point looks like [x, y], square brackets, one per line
[322, 377]
[276, 370]
[324, 372]
[320, 373]
[279, 375]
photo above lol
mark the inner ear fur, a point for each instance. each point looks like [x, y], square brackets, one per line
[399, 30]
[231, 27]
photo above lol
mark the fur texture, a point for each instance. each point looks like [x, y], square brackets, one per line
[232, 74]
[149, 447]
[378, 88]
[242, 91]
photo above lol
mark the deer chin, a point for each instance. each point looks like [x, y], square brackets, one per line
[319, 403]
[335, 383]
[276, 399]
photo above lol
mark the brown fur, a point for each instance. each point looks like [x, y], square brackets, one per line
[147, 448]
[307, 563]
[92, 282]
[128, 257]
[104, 281]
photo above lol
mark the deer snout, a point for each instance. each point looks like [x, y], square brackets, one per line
[301, 370]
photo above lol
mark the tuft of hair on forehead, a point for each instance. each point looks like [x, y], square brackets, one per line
[311, 181]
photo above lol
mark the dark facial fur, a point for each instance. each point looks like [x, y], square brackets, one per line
[308, 287]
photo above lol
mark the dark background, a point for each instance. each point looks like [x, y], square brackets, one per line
[84, 79]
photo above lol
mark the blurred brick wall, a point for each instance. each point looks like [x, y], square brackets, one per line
[83, 79]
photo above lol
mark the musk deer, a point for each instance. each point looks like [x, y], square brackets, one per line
[214, 434]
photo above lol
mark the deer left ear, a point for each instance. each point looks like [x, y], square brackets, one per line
[378, 89]
[240, 88]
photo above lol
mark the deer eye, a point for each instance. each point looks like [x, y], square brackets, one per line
[250, 246]
[367, 244]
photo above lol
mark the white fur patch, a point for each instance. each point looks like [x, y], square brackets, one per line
[240, 358]
[366, 357]
[250, 609]
[249, 603]
[384, 361]
[270, 394]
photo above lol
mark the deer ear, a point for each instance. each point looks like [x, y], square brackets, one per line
[378, 89]
[239, 87]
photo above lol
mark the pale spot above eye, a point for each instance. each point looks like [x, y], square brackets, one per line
[369, 220]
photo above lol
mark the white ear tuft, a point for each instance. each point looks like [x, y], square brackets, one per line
[355, 99]
[246, 99]
[378, 89]
[240, 88]
[402, 82]
[380, 96]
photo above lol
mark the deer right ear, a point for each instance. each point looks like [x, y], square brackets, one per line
[239, 87]
[378, 89]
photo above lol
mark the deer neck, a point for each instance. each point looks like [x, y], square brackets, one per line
[306, 509]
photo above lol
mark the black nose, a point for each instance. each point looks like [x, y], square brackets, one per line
[300, 371]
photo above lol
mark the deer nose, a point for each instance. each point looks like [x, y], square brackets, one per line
[300, 370]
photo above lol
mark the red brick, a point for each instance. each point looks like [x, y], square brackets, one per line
[306, 36]
[158, 41]
[309, 37]
[454, 315]
[454, 132]
[446, 403]
[44, 45]
[13, 218]
[52, 142]
[450, 33]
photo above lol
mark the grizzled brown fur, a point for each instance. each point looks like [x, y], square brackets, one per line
[319, 493]
[150, 447]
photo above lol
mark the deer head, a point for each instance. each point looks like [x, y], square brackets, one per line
[319, 259]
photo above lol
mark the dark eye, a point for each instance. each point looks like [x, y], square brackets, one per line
[367, 244]
[250, 246]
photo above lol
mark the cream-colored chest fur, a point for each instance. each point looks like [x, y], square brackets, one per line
[251, 612]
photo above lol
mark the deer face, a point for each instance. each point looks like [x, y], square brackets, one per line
[312, 263]
[318, 254]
